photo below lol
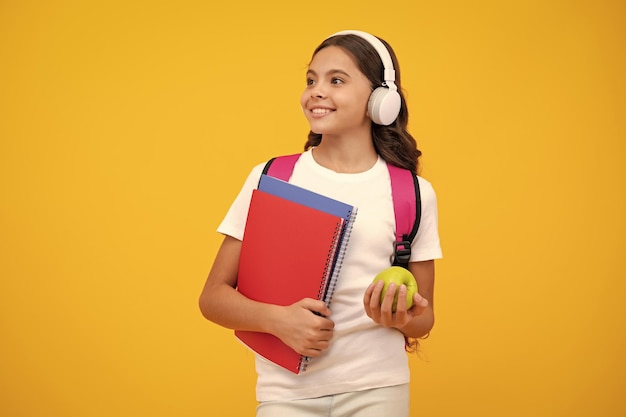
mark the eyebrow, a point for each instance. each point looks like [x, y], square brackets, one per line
[332, 71]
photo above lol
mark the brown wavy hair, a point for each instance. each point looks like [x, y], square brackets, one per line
[393, 143]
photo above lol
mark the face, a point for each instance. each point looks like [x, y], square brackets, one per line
[336, 95]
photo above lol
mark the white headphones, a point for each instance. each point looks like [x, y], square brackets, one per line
[384, 102]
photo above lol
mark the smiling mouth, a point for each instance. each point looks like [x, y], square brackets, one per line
[320, 111]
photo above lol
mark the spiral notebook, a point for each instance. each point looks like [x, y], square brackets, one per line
[321, 202]
[290, 251]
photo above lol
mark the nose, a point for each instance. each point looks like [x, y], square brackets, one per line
[318, 92]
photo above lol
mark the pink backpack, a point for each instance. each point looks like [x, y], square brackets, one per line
[404, 191]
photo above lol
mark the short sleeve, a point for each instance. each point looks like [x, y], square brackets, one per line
[426, 245]
[234, 222]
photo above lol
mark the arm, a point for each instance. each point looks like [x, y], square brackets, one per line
[414, 322]
[296, 325]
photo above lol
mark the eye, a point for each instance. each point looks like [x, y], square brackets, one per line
[336, 80]
[309, 81]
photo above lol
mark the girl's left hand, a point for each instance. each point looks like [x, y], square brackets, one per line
[382, 314]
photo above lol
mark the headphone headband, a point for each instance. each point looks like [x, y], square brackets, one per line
[389, 73]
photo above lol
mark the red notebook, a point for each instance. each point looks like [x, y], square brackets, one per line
[288, 252]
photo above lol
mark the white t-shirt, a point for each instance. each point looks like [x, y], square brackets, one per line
[362, 354]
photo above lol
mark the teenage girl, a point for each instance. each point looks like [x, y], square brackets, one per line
[360, 367]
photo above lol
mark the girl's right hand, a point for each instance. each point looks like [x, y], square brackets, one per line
[304, 327]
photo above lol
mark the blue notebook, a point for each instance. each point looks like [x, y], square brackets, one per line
[306, 197]
[320, 202]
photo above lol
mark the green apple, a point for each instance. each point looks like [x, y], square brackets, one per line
[398, 276]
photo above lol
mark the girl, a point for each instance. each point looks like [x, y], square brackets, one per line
[360, 367]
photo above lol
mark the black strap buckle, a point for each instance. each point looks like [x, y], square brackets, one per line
[402, 251]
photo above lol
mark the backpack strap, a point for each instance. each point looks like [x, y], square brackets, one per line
[281, 167]
[407, 209]
[405, 193]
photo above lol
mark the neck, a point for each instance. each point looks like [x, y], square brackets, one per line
[346, 156]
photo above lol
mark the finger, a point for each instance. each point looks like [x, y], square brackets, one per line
[326, 333]
[419, 300]
[401, 310]
[367, 296]
[313, 352]
[315, 348]
[327, 325]
[316, 306]
[401, 305]
[419, 304]
[368, 293]
[377, 290]
[386, 307]
[325, 337]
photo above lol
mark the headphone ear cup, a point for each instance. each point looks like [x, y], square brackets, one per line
[384, 106]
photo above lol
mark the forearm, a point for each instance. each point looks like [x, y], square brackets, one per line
[222, 304]
[422, 323]
[225, 306]
[296, 325]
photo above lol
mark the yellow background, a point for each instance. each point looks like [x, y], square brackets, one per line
[127, 128]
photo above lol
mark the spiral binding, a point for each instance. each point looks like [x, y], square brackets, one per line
[334, 262]
[341, 253]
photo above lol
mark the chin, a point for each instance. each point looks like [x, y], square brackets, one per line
[316, 129]
[321, 129]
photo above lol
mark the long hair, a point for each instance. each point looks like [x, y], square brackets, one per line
[393, 143]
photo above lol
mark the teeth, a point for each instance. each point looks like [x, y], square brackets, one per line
[320, 111]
